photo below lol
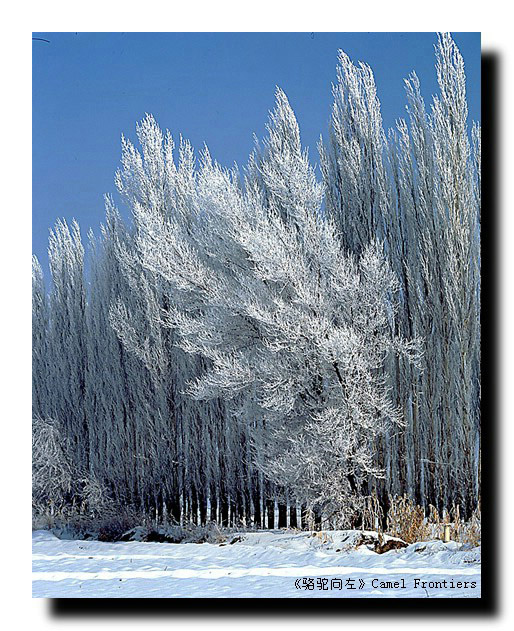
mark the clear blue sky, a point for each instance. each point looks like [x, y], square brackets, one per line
[217, 88]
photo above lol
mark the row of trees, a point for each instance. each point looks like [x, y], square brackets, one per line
[264, 342]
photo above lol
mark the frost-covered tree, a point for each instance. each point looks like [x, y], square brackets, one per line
[67, 332]
[210, 476]
[295, 331]
[420, 189]
[120, 399]
[41, 395]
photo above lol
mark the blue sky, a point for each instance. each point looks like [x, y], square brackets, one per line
[217, 88]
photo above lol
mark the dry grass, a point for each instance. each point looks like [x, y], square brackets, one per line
[466, 532]
[323, 537]
[409, 522]
[373, 514]
[406, 520]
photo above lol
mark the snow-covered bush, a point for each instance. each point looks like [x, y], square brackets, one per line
[61, 491]
[54, 477]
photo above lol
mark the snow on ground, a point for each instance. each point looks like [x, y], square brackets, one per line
[271, 564]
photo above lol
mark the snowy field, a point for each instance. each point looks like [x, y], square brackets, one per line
[272, 564]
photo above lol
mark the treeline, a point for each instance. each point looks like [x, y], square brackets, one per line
[258, 346]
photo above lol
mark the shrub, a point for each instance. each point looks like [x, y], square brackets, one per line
[406, 520]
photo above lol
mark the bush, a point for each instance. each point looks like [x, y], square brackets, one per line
[175, 533]
[63, 495]
[54, 478]
[408, 521]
